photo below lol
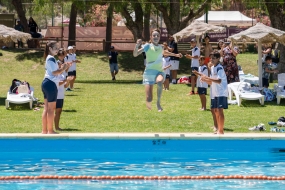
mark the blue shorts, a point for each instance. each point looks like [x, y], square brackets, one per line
[49, 89]
[202, 90]
[167, 76]
[114, 67]
[192, 69]
[150, 75]
[59, 103]
[72, 73]
[219, 102]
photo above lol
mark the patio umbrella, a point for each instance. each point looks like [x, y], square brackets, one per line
[197, 28]
[8, 34]
[262, 34]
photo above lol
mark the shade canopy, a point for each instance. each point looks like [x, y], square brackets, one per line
[8, 34]
[197, 28]
[228, 18]
[262, 34]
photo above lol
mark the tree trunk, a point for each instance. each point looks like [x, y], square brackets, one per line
[171, 15]
[109, 27]
[72, 25]
[21, 14]
[136, 27]
[146, 29]
[277, 17]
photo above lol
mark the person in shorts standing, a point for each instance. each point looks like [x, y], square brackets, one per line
[194, 64]
[71, 70]
[166, 65]
[219, 92]
[174, 61]
[113, 61]
[207, 49]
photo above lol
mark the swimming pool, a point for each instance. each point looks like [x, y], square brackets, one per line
[143, 157]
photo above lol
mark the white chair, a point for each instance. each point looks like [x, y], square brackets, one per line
[20, 98]
[240, 93]
[280, 89]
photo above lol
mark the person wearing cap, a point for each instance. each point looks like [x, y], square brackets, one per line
[194, 64]
[71, 70]
[113, 62]
[207, 49]
[20, 28]
[229, 54]
[174, 61]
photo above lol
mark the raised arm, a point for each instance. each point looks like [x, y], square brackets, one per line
[167, 53]
[138, 51]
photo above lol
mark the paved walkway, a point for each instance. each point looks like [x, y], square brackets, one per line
[180, 136]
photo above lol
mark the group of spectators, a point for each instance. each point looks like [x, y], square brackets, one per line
[59, 74]
[33, 30]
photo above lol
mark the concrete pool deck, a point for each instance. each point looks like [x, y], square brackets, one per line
[177, 136]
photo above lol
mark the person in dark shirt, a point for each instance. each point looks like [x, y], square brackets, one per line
[34, 30]
[174, 61]
[20, 28]
[112, 55]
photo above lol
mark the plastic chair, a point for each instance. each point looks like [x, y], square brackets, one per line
[20, 98]
[234, 88]
[281, 84]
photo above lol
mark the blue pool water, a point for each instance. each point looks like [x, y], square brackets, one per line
[153, 157]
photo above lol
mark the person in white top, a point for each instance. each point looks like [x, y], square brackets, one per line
[194, 64]
[71, 57]
[63, 83]
[166, 67]
[202, 86]
[219, 91]
[49, 86]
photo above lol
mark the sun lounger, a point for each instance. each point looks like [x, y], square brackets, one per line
[20, 98]
[235, 88]
[281, 84]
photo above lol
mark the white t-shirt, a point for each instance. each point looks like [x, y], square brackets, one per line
[61, 89]
[51, 66]
[165, 63]
[70, 58]
[202, 69]
[195, 52]
[219, 90]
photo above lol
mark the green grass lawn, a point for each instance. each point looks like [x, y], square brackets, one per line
[100, 105]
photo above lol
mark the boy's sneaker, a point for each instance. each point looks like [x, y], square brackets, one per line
[280, 124]
[259, 127]
[68, 89]
[254, 128]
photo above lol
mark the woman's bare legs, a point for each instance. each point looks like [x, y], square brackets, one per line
[48, 117]
[159, 81]
[57, 118]
[148, 94]
[44, 117]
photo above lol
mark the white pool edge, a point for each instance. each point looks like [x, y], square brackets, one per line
[177, 136]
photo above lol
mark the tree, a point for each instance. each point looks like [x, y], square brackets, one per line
[21, 14]
[109, 27]
[72, 25]
[171, 11]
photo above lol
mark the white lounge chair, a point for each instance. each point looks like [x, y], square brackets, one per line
[241, 93]
[20, 98]
[281, 84]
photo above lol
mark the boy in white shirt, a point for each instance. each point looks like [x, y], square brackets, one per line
[219, 91]
[194, 64]
[202, 86]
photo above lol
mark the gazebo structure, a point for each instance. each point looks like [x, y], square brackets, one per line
[262, 34]
[8, 34]
[197, 28]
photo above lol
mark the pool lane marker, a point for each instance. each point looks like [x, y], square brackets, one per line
[68, 177]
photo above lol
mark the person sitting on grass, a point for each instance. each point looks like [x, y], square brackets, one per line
[64, 81]
[202, 86]
[219, 91]
[267, 69]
